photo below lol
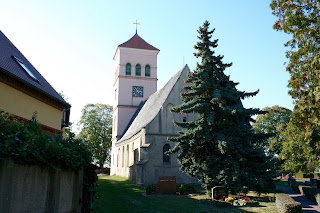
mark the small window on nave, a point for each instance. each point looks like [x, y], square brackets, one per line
[138, 70]
[166, 158]
[147, 71]
[128, 69]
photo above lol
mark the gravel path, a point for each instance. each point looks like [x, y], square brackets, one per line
[307, 205]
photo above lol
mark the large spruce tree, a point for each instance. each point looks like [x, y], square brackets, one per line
[219, 148]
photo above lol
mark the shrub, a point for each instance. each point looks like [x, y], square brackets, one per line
[253, 203]
[181, 189]
[245, 190]
[295, 187]
[189, 188]
[148, 189]
[286, 204]
[317, 196]
[310, 192]
[25, 143]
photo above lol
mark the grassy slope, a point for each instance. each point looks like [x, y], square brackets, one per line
[116, 194]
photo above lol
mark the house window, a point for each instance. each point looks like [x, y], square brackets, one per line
[25, 68]
[138, 70]
[147, 71]
[65, 118]
[128, 69]
[166, 158]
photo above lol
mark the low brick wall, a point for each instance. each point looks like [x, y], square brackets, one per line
[32, 189]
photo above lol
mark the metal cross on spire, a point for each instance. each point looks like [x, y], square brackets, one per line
[136, 26]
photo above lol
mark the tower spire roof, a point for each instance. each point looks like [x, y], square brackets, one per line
[138, 43]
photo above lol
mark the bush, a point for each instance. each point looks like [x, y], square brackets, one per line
[181, 189]
[253, 203]
[25, 143]
[310, 192]
[286, 204]
[245, 190]
[148, 189]
[189, 188]
[295, 187]
[317, 196]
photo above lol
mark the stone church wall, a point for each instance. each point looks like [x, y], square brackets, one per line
[155, 167]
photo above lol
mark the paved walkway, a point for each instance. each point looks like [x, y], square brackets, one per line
[307, 205]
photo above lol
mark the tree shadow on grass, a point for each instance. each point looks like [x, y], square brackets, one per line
[116, 194]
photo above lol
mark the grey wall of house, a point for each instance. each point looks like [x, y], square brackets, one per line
[32, 189]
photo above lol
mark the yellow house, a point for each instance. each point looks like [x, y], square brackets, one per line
[24, 91]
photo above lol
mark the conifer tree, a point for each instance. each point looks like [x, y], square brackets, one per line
[219, 148]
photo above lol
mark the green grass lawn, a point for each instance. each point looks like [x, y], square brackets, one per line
[284, 182]
[117, 194]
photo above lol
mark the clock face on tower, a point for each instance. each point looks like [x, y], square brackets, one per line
[137, 91]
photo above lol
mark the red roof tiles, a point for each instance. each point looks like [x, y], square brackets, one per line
[138, 43]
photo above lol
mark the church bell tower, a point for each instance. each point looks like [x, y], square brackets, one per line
[135, 80]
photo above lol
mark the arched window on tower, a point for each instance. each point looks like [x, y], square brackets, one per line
[147, 71]
[166, 158]
[138, 70]
[128, 69]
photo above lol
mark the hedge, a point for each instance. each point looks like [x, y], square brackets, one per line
[312, 193]
[317, 195]
[295, 187]
[286, 204]
[25, 143]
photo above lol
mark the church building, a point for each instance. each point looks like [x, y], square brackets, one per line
[142, 120]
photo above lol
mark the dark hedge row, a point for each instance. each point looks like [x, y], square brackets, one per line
[24, 143]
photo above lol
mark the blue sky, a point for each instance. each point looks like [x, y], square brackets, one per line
[72, 43]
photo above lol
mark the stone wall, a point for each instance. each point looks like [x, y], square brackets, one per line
[32, 189]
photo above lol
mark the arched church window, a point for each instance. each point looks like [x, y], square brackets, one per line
[166, 158]
[147, 71]
[128, 69]
[138, 70]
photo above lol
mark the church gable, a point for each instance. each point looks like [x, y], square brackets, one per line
[163, 122]
[157, 108]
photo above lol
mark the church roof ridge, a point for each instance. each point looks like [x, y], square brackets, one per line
[138, 43]
[152, 107]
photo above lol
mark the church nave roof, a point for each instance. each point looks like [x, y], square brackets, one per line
[152, 106]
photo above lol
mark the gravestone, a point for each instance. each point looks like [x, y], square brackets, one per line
[166, 185]
[219, 192]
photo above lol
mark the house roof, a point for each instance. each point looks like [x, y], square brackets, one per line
[138, 43]
[9, 66]
[152, 106]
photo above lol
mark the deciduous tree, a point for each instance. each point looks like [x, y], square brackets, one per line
[273, 122]
[296, 156]
[301, 19]
[219, 147]
[95, 128]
